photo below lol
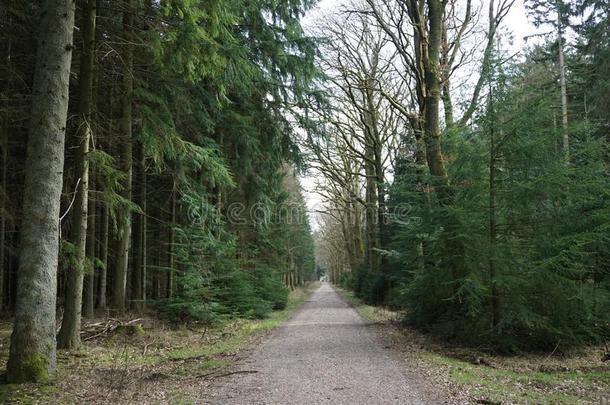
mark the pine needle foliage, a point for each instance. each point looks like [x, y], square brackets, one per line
[540, 278]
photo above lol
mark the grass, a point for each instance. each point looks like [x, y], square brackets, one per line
[371, 313]
[159, 365]
[529, 379]
[506, 385]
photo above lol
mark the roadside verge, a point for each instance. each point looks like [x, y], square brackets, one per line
[153, 363]
[475, 376]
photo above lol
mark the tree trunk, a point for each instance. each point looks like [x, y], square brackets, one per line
[124, 220]
[32, 353]
[170, 249]
[495, 300]
[101, 304]
[381, 214]
[370, 214]
[69, 334]
[5, 136]
[157, 261]
[563, 90]
[3, 212]
[357, 217]
[432, 99]
[139, 240]
[89, 286]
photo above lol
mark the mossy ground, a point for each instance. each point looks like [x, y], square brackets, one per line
[575, 378]
[161, 364]
[511, 384]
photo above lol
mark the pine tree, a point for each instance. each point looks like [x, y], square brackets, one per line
[69, 334]
[32, 352]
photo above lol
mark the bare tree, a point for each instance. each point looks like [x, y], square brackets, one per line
[428, 35]
[361, 128]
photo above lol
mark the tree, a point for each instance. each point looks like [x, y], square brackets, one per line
[542, 12]
[69, 334]
[357, 133]
[32, 353]
[119, 291]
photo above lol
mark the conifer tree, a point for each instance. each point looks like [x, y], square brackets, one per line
[32, 353]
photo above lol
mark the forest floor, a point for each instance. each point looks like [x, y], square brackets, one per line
[155, 364]
[478, 377]
[323, 353]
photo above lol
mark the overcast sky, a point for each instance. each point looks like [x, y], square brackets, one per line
[515, 22]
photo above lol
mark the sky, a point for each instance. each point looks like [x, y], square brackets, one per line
[515, 22]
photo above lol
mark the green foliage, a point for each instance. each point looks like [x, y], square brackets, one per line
[250, 293]
[214, 119]
[542, 279]
[370, 287]
[67, 256]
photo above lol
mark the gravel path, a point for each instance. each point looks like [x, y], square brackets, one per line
[325, 354]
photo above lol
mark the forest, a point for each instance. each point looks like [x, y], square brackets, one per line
[464, 184]
[153, 154]
[168, 187]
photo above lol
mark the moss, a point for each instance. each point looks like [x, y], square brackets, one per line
[130, 330]
[24, 394]
[34, 368]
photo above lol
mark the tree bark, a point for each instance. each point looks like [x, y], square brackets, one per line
[69, 334]
[124, 220]
[101, 304]
[563, 90]
[495, 300]
[371, 214]
[5, 136]
[32, 353]
[3, 212]
[432, 128]
[371, 158]
[139, 240]
[89, 286]
[170, 248]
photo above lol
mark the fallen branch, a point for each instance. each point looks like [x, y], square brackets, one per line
[238, 372]
[97, 329]
[214, 375]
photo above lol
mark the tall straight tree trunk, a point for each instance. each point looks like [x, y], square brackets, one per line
[171, 247]
[495, 300]
[69, 334]
[139, 240]
[348, 239]
[89, 285]
[563, 90]
[454, 247]
[157, 262]
[357, 224]
[380, 185]
[375, 153]
[370, 213]
[124, 220]
[370, 170]
[432, 127]
[3, 213]
[5, 136]
[10, 288]
[101, 292]
[32, 354]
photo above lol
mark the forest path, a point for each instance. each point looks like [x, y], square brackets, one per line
[325, 353]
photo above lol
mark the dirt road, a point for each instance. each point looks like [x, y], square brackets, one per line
[325, 354]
